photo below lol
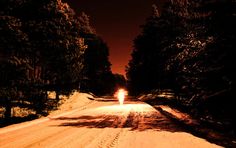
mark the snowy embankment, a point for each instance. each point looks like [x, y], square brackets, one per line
[74, 101]
[157, 94]
[166, 104]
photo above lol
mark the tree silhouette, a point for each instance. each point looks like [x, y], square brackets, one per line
[97, 69]
[41, 45]
[147, 68]
[13, 62]
[189, 48]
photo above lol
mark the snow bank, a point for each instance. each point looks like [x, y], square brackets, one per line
[155, 94]
[147, 97]
[74, 101]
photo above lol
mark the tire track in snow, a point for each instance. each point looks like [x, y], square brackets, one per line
[112, 140]
[66, 140]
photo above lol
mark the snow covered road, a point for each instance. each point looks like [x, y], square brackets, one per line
[103, 124]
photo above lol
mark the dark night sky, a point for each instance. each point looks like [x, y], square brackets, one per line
[117, 22]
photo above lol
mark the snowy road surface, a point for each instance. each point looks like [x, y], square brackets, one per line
[102, 124]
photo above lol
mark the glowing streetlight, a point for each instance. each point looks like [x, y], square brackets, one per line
[120, 94]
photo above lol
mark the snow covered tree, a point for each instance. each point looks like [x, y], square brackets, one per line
[40, 43]
[203, 64]
[146, 69]
[189, 48]
[54, 32]
[14, 60]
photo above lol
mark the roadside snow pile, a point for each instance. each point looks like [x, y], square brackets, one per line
[146, 97]
[74, 101]
[154, 94]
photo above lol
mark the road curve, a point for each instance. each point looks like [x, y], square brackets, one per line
[102, 124]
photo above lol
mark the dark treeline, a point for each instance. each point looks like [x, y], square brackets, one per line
[189, 47]
[97, 75]
[45, 46]
[97, 68]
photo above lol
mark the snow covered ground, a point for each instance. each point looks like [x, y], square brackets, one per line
[82, 122]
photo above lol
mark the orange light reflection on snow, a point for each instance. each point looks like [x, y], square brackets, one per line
[114, 109]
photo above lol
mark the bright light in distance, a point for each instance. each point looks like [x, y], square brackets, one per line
[120, 94]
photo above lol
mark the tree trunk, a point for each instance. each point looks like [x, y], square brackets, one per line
[7, 113]
[57, 96]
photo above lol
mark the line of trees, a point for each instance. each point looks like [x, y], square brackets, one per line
[41, 50]
[97, 75]
[188, 47]
[45, 46]
[97, 68]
